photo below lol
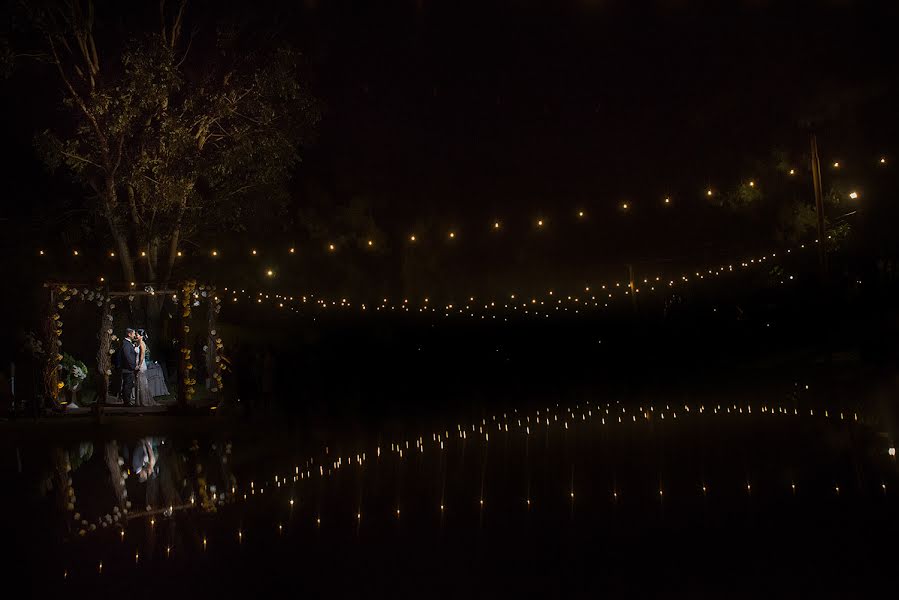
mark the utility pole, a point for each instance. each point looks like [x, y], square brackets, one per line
[819, 207]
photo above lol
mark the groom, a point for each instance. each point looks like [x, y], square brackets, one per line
[129, 365]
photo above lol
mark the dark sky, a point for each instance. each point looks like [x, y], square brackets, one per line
[516, 104]
[448, 115]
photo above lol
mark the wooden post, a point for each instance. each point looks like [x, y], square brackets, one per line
[103, 353]
[182, 344]
[212, 365]
[51, 343]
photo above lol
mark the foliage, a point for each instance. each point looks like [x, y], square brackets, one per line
[73, 372]
[170, 133]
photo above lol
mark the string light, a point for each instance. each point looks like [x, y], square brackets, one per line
[215, 253]
[836, 164]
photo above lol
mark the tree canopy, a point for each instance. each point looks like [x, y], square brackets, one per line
[173, 129]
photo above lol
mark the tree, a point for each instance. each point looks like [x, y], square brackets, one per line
[171, 133]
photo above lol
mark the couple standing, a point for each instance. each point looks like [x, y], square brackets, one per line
[135, 386]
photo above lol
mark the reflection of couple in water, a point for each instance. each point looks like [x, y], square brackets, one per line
[144, 460]
[135, 385]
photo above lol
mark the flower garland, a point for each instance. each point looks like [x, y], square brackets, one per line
[108, 341]
[215, 306]
[187, 296]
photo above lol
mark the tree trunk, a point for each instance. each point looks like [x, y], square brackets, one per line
[103, 354]
[125, 259]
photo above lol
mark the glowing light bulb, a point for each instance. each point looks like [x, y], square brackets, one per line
[496, 225]
[331, 247]
[667, 200]
[292, 250]
[624, 205]
[580, 213]
[179, 252]
[540, 223]
[452, 234]
[853, 195]
[411, 238]
[254, 253]
[371, 243]
[836, 164]
[215, 253]
[708, 192]
[270, 273]
[751, 184]
[883, 160]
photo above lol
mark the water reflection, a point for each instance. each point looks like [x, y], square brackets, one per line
[571, 475]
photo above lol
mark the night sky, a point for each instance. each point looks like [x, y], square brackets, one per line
[442, 116]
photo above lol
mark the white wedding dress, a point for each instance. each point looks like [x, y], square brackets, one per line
[142, 390]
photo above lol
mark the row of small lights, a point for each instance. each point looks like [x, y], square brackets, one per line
[439, 439]
[585, 299]
[496, 225]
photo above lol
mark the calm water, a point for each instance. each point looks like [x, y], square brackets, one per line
[571, 500]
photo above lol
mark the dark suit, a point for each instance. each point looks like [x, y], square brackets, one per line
[129, 364]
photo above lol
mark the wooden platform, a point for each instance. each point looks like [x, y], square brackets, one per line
[115, 409]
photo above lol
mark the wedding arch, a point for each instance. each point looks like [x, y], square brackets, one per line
[186, 295]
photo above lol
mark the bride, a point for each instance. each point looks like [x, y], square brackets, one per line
[144, 396]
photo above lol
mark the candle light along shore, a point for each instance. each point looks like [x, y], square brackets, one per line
[583, 300]
[589, 299]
